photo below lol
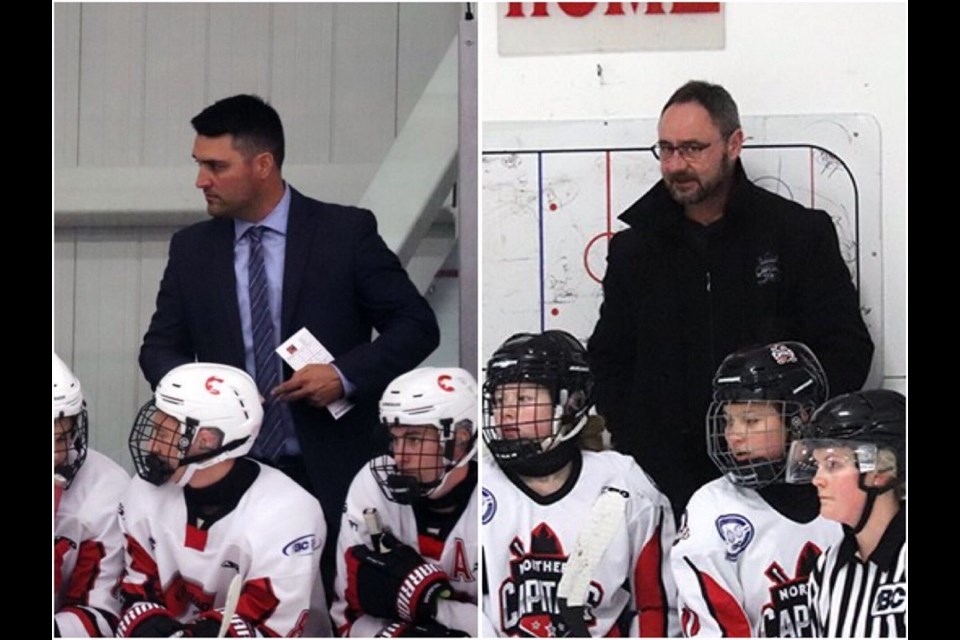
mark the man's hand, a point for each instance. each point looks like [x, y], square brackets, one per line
[318, 384]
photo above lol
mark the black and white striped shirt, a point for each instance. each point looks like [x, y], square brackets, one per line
[850, 597]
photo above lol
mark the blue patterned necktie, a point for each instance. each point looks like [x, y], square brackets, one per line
[269, 443]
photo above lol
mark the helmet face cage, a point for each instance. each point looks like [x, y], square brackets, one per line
[159, 443]
[762, 399]
[70, 444]
[428, 417]
[419, 459]
[747, 440]
[536, 396]
[70, 409]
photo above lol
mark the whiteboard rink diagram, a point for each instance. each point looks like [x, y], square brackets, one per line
[551, 201]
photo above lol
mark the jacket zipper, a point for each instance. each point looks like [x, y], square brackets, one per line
[710, 316]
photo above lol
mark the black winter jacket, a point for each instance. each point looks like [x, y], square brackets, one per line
[679, 297]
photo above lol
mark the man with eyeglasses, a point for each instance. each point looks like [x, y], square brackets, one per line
[711, 264]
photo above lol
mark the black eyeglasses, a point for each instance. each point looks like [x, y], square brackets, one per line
[689, 151]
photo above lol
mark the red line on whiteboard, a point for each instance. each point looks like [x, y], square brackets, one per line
[812, 194]
[609, 204]
[586, 255]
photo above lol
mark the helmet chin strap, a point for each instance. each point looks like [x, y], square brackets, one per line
[187, 475]
[872, 493]
[206, 459]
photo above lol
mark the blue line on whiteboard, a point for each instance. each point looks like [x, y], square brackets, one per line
[540, 225]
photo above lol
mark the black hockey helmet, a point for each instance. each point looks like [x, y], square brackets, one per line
[555, 361]
[876, 417]
[785, 375]
[870, 424]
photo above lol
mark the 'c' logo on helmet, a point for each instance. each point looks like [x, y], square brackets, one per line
[442, 382]
[210, 385]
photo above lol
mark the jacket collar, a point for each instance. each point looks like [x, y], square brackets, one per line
[658, 210]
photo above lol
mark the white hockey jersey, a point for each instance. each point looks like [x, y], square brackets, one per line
[458, 558]
[527, 539]
[741, 567]
[88, 549]
[272, 539]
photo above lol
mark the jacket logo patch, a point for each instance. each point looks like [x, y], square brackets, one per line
[768, 269]
[736, 533]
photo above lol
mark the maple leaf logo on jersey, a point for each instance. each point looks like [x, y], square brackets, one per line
[528, 597]
[787, 613]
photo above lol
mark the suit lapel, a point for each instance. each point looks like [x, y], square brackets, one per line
[222, 265]
[301, 226]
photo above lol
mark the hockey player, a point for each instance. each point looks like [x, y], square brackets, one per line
[855, 455]
[748, 541]
[87, 542]
[407, 555]
[540, 498]
[200, 513]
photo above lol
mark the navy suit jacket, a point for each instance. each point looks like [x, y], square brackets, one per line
[340, 281]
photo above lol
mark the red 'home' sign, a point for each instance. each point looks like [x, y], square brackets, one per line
[571, 27]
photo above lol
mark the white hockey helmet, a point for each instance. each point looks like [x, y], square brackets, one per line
[68, 403]
[197, 396]
[444, 398]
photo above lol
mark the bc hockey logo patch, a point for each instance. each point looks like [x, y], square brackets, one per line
[489, 506]
[736, 533]
[890, 598]
[302, 546]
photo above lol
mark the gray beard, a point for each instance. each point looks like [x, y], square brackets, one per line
[702, 192]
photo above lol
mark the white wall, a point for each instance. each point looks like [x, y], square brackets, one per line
[779, 59]
[128, 78]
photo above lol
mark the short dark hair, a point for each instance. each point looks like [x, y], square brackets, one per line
[254, 124]
[712, 97]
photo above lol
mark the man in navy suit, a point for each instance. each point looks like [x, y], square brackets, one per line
[326, 269]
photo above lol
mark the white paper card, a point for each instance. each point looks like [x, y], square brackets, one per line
[301, 349]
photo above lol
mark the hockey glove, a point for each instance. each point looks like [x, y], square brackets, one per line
[207, 625]
[148, 620]
[429, 629]
[396, 584]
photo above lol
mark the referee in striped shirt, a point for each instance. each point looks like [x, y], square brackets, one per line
[855, 455]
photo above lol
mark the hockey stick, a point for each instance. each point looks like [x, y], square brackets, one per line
[230, 606]
[59, 484]
[606, 518]
[375, 527]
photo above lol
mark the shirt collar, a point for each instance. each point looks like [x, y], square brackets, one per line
[276, 220]
[888, 548]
